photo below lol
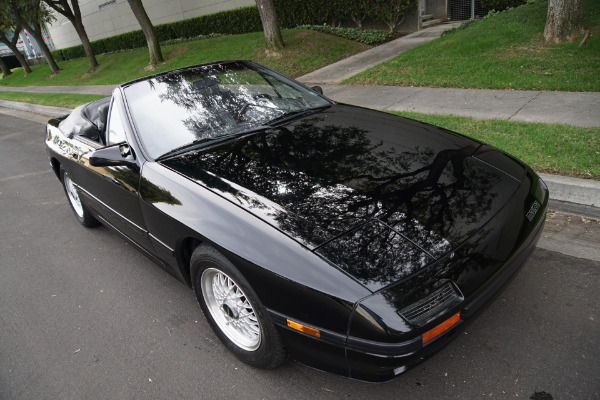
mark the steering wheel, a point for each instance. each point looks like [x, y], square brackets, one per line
[246, 106]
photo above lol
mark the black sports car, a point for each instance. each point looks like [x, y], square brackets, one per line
[357, 241]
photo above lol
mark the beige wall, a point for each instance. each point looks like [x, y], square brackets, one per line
[118, 18]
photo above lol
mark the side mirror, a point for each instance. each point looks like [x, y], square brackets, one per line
[317, 89]
[113, 156]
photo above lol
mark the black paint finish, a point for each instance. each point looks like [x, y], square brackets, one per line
[339, 217]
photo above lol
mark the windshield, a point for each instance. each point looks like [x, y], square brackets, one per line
[207, 102]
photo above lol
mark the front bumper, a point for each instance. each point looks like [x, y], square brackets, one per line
[375, 363]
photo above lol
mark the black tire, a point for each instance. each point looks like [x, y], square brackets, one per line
[251, 336]
[82, 214]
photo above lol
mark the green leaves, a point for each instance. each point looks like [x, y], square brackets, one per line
[358, 35]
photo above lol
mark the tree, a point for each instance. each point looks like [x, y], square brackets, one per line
[564, 20]
[7, 26]
[30, 14]
[12, 44]
[392, 12]
[5, 70]
[153, 45]
[268, 17]
[73, 14]
[358, 10]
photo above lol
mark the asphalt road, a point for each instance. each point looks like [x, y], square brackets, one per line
[84, 315]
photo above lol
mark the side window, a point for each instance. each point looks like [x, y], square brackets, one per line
[116, 132]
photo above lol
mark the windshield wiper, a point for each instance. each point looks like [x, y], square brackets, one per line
[288, 115]
[184, 148]
[199, 143]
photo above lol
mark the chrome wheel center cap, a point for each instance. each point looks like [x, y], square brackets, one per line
[230, 310]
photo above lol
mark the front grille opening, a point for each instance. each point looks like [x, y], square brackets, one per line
[429, 307]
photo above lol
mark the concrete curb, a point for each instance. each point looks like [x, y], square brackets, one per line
[574, 195]
[571, 195]
[50, 111]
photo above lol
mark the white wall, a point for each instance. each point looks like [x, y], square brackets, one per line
[117, 17]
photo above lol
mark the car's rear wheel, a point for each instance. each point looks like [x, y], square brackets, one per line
[233, 310]
[81, 213]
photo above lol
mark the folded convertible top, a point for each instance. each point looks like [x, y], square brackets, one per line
[87, 120]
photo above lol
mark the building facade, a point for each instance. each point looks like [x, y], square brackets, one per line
[27, 46]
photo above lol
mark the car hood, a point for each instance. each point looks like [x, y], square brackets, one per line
[378, 195]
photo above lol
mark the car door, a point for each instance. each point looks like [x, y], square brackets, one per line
[114, 190]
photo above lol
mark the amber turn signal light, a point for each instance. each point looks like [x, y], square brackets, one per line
[441, 328]
[303, 328]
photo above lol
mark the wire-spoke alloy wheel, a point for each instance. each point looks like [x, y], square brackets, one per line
[73, 196]
[81, 213]
[233, 309]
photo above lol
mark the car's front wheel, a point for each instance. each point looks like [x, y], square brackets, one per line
[233, 310]
[81, 213]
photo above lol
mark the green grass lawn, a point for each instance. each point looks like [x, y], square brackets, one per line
[554, 148]
[305, 51]
[68, 100]
[503, 51]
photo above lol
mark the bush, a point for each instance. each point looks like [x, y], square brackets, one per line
[199, 37]
[501, 5]
[368, 37]
[291, 13]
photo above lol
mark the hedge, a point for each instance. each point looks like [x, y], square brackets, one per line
[290, 14]
[236, 21]
[501, 5]
[358, 35]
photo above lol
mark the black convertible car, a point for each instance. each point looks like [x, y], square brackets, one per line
[357, 241]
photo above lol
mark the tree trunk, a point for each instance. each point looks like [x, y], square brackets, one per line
[73, 14]
[21, 60]
[36, 32]
[357, 20]
[87, 47]
[268, 17]
[37, 35]
[153, 45]
[563, 21]
[5, 70]
[12, 45]
[85, 41]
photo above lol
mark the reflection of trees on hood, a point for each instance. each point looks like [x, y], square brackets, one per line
[331, 178]
[335, 176]
[375, 254]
